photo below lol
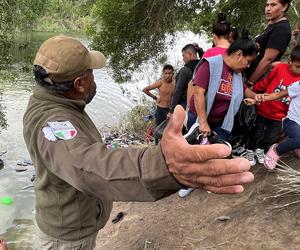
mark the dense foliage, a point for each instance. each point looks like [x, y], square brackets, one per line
[134, 31]
[64, 15]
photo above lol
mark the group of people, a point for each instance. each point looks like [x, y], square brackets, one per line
[235, 68]
[78, 178]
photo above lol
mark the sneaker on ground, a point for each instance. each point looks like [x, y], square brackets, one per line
[214, 138]
[260, 154]
[297, 152]
[185, 192]
[250, 156]
[271, 158]
[238, 151]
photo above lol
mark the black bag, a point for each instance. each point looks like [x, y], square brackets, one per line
[244, 122]
[247, 117]
[158, 131]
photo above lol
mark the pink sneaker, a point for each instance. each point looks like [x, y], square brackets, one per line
[297, 152]
[271, 158]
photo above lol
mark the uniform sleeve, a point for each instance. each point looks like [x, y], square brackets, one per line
[131, 174]
[279, 38]
[294, 89]
[181, 85]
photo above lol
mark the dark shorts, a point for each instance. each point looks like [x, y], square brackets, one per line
[161, 115]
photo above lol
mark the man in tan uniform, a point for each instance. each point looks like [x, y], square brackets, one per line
[78, 178]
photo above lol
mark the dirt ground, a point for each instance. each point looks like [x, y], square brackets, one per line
[191, 222]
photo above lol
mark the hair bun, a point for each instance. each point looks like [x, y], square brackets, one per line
[245, 34]
[222, 18]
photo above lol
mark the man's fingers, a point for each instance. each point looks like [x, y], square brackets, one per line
[225, 180]
[201, 153]
[217, 181]
[215, 167]
[176, 121]
[225, 190]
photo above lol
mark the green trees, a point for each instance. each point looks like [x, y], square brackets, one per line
[134, 31]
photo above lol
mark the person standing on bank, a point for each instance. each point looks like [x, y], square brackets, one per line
[272, 44]
[273, 41]
[190, 54]
[78, 178]
[220, 35]
[165, 86]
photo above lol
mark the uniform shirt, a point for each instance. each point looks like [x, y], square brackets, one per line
[77, 177]
[278, 79]
[275, 36]
[294, 109]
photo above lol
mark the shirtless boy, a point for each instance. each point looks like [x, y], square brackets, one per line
[165, 87]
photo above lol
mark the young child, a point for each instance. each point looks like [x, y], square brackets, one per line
[270, 114]
[290, 124]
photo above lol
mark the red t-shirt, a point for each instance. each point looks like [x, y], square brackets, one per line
[214, 52]
[278, 79]
[223, 96]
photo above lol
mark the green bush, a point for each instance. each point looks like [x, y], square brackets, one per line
[135, 124]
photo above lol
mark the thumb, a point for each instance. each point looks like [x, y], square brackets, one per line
[177, 119]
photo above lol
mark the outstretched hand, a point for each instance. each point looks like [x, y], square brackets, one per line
[202, 166]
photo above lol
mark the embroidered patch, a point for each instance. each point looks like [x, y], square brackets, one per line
[48, 133]
[63, 130]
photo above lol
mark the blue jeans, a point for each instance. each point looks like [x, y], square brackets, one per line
[192, 117]
[292, 130]
[223, 134]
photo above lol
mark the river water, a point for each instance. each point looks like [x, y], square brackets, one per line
[111, 103]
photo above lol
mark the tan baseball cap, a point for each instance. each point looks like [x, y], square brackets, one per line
[65, 58]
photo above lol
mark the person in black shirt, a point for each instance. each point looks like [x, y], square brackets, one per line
[273, 41]
[185, 74]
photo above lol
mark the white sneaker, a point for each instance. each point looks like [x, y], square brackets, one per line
[250, 156]
[185, 192]
[260, 154]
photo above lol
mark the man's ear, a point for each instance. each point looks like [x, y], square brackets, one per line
[79, 85]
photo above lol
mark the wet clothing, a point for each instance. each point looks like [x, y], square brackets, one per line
[182, 79]
[275, 36]
[77, 179]
[278, 79]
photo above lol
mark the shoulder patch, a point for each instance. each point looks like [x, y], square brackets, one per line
[63, 130]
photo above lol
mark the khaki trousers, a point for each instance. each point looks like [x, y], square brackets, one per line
[45, 242]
